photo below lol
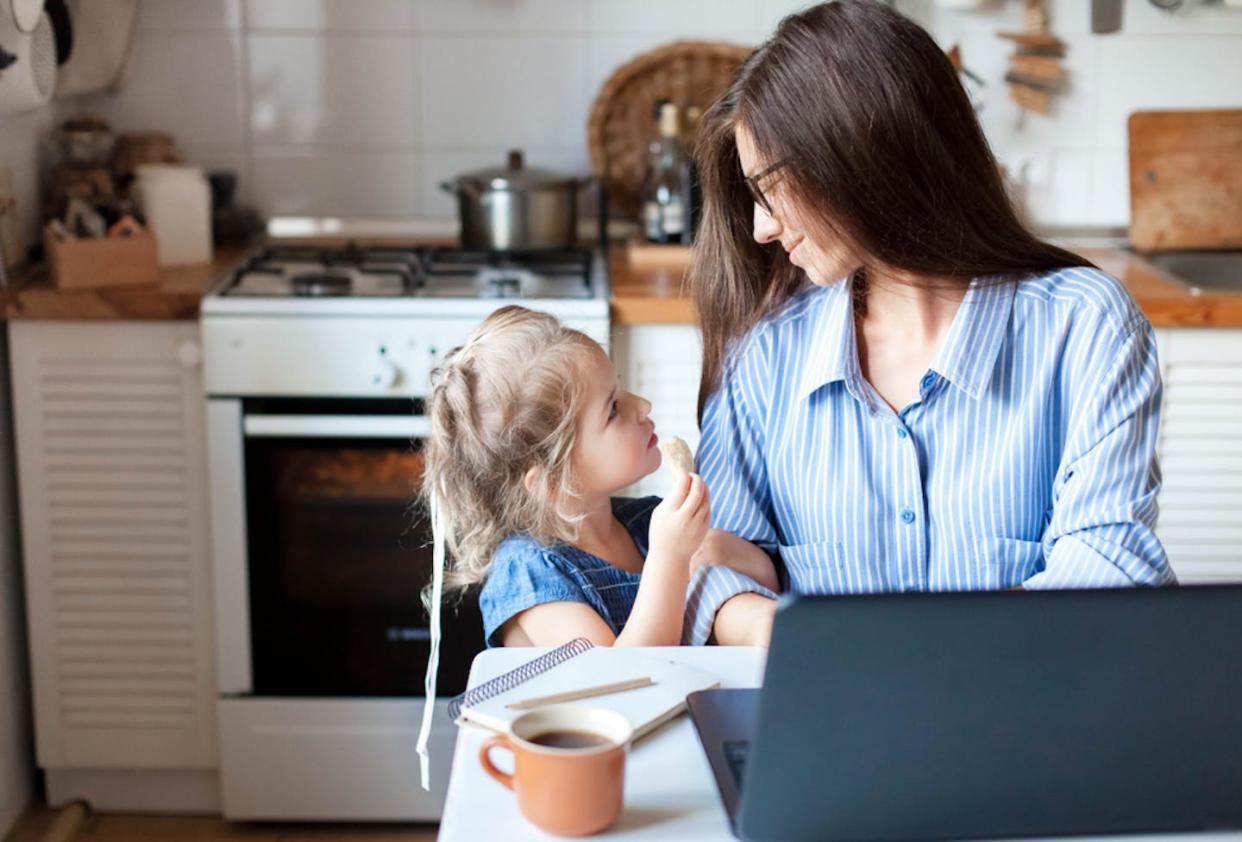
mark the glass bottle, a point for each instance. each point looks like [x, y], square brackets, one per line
[664, 194]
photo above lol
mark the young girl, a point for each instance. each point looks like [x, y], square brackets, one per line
[531, 435]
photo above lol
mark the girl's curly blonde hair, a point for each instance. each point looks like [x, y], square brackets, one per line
[503, 403]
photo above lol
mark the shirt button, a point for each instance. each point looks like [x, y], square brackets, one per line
[907, 516]
[928, 380]
[901, 433]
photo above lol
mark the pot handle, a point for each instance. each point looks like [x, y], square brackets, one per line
[457, 187]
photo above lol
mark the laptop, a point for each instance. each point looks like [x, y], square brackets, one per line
[983, 715]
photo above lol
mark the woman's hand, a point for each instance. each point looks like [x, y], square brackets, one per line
[679, 522]
[724, 549]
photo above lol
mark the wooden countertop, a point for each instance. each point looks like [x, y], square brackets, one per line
[654, 294]
[176, 295]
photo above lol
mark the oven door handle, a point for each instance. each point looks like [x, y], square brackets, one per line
[338, 426]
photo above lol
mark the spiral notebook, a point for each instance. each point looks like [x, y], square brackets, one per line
[579, 664]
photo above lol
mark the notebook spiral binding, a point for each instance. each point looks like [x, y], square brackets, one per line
[514, 677]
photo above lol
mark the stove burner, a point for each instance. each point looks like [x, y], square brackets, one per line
[504, 281]
[432, 272]
[321, 284]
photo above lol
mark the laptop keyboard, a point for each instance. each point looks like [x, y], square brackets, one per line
[735, 754]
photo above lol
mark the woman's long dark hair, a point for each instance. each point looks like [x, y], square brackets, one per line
[884, 150]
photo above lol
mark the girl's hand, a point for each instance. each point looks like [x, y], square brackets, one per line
[679, 523]
[724, 549]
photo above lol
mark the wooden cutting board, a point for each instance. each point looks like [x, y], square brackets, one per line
[1185, 179]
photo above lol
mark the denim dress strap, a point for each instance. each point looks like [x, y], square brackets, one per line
[525, 574]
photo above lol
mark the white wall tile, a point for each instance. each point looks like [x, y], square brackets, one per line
[325, 183]
[29, 197]
[772, 11]
[1071, 123]
[1056, 188]
[189, 14]
[437, 87]
[502, 16]
[1193, 17]
[333, 89]
[483, 92]
[1110, 187]
[605, 53]
[185, 83]
[683, 19]
[22, 133]
[1176, 71]
[215, 157]
[332, 15]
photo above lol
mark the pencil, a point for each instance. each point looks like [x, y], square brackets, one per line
[583, 693]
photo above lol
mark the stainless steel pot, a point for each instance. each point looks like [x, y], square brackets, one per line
[511, 208]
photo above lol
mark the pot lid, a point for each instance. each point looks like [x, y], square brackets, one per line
[515, 176]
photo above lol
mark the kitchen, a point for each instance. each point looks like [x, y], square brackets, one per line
[357, 113]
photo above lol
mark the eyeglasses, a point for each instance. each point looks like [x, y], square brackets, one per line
[756, 192]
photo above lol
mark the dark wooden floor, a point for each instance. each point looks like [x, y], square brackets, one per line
[114, 827]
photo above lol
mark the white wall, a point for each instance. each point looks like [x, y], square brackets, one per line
[362, 106]
[1075, 159]
[20, 138]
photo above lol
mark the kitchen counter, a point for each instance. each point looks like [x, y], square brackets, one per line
[646, 294]
[655, 294]
[176, 295]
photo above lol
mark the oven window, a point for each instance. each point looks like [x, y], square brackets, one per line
[339, 553]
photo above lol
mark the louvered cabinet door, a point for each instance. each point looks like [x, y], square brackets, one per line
[662, 363]
[1200, 450]
[111, 471]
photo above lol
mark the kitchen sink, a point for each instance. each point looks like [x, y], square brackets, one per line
[1210, 271]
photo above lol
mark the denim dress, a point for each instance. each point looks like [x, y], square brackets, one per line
[525, 574]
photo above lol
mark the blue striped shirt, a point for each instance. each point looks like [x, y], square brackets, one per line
[1028, 457]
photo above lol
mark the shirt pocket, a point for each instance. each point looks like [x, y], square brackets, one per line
[829, 567]
[1007, 562]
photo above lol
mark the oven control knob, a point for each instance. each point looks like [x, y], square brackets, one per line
[385, 373]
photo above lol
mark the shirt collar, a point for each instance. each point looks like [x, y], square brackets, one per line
[833, 354]
[968, 356]
[966, 359]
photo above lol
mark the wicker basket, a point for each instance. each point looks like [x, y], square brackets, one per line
[621, 125]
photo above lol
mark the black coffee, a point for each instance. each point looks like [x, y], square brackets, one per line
[570, 739]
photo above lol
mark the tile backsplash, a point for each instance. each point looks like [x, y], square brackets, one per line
[362, 107]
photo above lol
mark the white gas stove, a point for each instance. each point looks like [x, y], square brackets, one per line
[316, 364]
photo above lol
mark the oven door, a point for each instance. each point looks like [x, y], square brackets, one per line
[323, 590]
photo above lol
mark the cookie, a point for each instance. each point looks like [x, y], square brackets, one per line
[678, 454]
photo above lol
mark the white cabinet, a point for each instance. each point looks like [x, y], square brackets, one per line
[111, 472]
[661, 363]
[1200, 451]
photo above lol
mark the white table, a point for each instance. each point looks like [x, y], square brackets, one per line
[669, 791]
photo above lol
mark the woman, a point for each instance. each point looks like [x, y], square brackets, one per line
[903, 389]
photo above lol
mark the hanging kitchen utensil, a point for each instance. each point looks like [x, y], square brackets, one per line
[105, 30]
[1035, 72]
[28, 76]
[1105, 16]
[62, 28]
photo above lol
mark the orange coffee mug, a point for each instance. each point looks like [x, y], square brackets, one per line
[568, 766]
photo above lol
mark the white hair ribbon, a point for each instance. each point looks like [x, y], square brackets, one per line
[433, 657]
